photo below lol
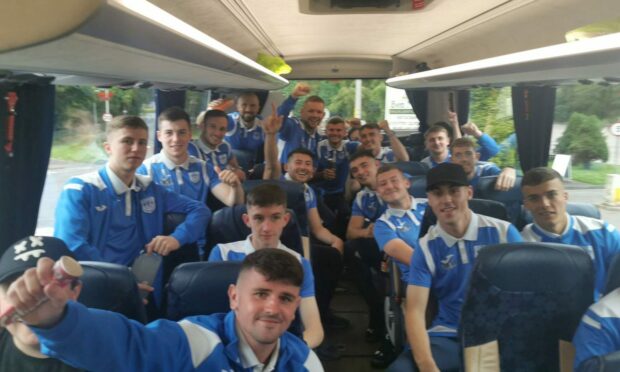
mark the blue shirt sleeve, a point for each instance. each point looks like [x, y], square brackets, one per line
[488, 147]
[383, 234]
[512, 235]
[307, 286]
[310, 197]
[214, 179]
[73, 222]
[99, 340]
[197, 216]
[215, 255]
[288, 124]
[419, 273]
[590, 341]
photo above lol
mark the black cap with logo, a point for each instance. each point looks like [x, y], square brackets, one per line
[446, 174]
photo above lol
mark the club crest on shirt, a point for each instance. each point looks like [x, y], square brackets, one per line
[448, 262]
[401, 226]
[166, 180]
[148, 204]
[194, 177]
[222, 159]
[256, 135]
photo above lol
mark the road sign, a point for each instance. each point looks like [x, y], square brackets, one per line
[615, 129]
[107, 117]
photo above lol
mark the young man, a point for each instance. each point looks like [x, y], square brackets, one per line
[443, 261]
[302, 132]
[182, 173]
[250, 337]
[463, 152]
[598, 333]
[436, 141]
[267, 216]
[19, 347]
[544, 196]
[112, 214]
[371, 139]
[398, 229]
[211, 146]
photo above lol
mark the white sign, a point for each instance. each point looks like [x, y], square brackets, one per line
[107, 117]
[615, 129]
[562, 164]
[398, 111]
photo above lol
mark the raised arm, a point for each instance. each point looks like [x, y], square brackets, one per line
[453, 118]
[400, 152]
[271, 126]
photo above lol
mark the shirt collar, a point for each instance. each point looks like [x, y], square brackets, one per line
[118, 185]
[170, 164]
[243, 123]
[340, 146]
[248, 248]
[401, 212]
[249, 359]
[471, 234]
[206, 149]
[569, 225]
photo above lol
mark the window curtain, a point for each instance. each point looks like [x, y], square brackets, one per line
[164, 100]
[533, 109]
[22, 175]
[419, 102]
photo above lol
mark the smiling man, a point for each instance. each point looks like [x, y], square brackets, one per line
[303, 131]
[371, 139]
[443, 262]
[544, 196]
[252, 336]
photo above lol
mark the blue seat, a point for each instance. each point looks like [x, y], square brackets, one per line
[418, 186]
[186, 253]
[111, 287]
[200, 288]
[512, 199]
[226, 226]
[523, 305]
[412, 168]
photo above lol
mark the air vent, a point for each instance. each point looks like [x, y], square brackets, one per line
[319, 7]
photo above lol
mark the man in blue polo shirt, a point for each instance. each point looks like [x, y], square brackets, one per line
[303, 131]
[211, 146]
[244, 126]
[251, 337]
[182, 173]
[443, 262]
[544, 196]
[598, 333]
[267, 216]
[113, 214]
[372, 139]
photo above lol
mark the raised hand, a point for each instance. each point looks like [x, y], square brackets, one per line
[301, 89]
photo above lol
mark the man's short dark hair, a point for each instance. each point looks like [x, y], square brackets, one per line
[211, 114]
[384, 168]
[173, 114]
[276, 265]
[266, 195]
[335, 120]
[370, 126]
[300, 150]
[438, 127]
[126, 121]
[361, 154]
[539, 175]
[315, 99]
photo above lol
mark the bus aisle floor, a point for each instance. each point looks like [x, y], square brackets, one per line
[356, 352]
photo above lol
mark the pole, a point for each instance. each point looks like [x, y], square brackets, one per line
[357, 110]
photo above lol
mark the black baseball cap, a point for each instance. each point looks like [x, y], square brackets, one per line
[24, 254]
[446, 173]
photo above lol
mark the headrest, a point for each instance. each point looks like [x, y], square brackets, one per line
[418, 186]
[412, 168]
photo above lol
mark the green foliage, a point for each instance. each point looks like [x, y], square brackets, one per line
[596, 174]
[588, 99]
[583, 139]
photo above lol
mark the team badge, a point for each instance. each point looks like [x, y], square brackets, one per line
[24, 252]
[194, 177]
[222, 159]
[448, 262]
[402, 227]
[148, 204]
[256, 135]
[166, 181]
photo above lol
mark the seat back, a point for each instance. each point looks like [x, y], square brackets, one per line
[187, 252]
[227, 226]
[111, 287]
[512, 199]
[523, 305]
[602, 363]
[489, 208]
[613, 274]
[200, 288]
[412, 168]
[418, 186]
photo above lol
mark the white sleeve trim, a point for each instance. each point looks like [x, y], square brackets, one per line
[313, 364]
[202, 341]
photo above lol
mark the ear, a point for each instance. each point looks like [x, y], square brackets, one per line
[159, 135]
[477, 156]
[286, 166]
[286, 217]
[246, 219]
[232, 297]
[470, 192]
[107, 148]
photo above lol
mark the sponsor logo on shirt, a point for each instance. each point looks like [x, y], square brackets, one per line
[101, 208]
[402, 226]
[148, 204]
[448, 262]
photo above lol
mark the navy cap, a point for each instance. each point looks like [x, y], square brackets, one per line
[446, 174]
[25, 253]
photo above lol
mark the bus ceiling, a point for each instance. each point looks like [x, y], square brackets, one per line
[116, 41]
